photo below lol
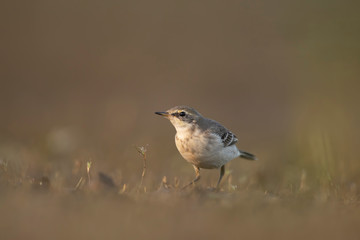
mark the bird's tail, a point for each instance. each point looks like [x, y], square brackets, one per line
[247, 155]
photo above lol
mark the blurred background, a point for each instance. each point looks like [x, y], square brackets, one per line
[81, 80]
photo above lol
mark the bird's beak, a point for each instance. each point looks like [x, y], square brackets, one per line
[164, 114]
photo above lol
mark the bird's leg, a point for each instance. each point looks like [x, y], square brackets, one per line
[222, 171]
[197, 176]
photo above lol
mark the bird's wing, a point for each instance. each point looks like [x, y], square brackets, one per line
[227, 137]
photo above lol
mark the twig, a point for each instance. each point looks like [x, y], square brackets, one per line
[142, 152]
[79, 184]
[88, 167]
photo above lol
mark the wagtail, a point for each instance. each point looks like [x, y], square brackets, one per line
[203, 142]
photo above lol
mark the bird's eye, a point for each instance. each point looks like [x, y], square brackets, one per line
[181, 114]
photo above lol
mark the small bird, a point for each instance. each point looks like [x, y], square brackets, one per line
[203, 142]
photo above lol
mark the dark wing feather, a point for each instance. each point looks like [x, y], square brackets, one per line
[227, 137]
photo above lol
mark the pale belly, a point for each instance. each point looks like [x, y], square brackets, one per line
[205, 152]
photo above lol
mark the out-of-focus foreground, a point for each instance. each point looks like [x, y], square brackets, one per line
[81, 80]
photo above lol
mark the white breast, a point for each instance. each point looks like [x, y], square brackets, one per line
[204, 151]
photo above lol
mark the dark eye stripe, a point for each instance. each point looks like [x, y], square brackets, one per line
[178, 114]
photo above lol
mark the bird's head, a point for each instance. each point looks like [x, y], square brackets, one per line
[181, 116]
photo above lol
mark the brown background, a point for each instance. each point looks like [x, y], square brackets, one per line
[81, 80]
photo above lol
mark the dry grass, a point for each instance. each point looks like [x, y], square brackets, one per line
[98, 206]
[80, 82]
